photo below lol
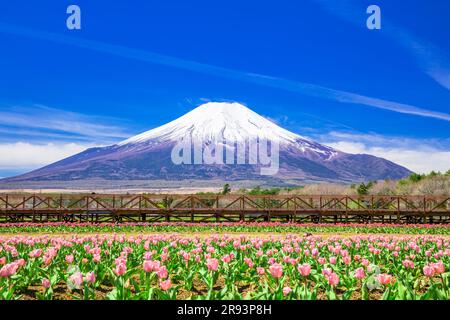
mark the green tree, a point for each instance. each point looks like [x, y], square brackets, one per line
[363, 189]
[226, 189]
[264, 192]
[415, 177]
[433, 174]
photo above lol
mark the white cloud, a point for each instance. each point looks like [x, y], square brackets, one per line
[21, 155]
[51, 122]
[421, 156]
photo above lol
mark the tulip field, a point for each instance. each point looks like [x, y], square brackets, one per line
[181, 264]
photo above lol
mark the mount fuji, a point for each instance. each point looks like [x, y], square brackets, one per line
[148, 156]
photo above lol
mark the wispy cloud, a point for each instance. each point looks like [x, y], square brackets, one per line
[27, 156]
[44, 122]
[259, 79]
[418, 155]
[429, 58]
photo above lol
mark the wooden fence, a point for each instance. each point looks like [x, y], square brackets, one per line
[216, 208]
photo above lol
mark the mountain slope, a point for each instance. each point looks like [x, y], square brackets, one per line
[148, 155]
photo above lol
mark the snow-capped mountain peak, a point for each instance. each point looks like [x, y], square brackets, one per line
[215, 121]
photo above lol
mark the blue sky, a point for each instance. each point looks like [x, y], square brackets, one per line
[312, 66]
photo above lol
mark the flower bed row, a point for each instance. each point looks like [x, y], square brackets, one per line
[224, 267]
[225, 227]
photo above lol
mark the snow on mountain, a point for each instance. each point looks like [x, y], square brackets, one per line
[218, 120]
[215, 122]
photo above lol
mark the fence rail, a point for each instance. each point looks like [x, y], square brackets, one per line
[159, 207]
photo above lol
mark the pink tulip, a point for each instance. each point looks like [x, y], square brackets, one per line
[2, 261]
[76, 280]
[333, 260]
[286, 291]
[35, 253]
[438, 267]
[226, 258]
[260, 271]
[248, 262]
[304, 269]
[147, 255]
[327, 271]
[90, 277]
[165, 285]
[408, 264]
[276, 270]
[69, 258]
[162, 272]
[148, 266]
[120, 269]
[212, 264]
[4, 272]
[322, 261]
[46, 283]
[385, 279]
[21, 262]
[9, 269]
[428, 271]
[333, 279]
[360, 274]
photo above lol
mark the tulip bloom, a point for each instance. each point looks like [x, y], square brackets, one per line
[428, 271]
[276, 270]
[333, 279]
[76, 280]
[90, 277]
[360, 274]
[148, 266]
[162, 272]
[286, 291]
[385, 279]
[120, 269]
[304, 269]
[165, 285]
[438, 267]
[46, 283]
[69, 258]
[212, 264]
